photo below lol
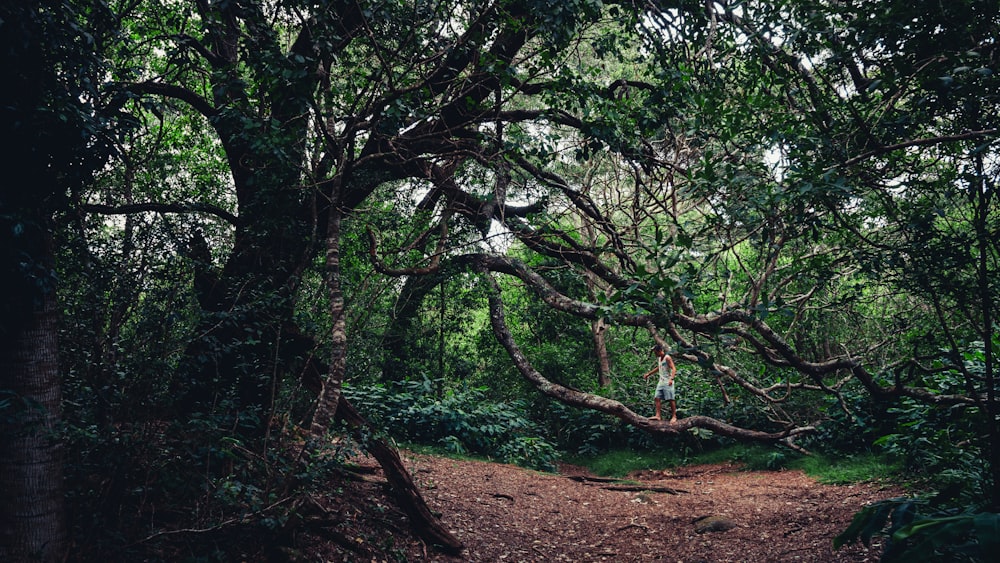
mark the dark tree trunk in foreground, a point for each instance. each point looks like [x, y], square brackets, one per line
[50, 144]
[31, 492]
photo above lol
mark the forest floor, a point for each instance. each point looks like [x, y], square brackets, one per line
[511, 514]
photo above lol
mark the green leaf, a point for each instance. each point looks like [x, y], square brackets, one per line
[987, 529]
[869, 521]
[925, 537]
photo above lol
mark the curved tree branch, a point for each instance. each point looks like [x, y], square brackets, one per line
[200, 104]
[964, 136]
[608, 406]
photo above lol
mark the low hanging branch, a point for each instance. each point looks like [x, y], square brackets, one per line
[769, 345]
[608, 406]
[560, 302]
[404, 489]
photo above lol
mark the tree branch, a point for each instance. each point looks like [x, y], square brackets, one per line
[161, 208]
[614, 408]
[201, 105]
[965, 136]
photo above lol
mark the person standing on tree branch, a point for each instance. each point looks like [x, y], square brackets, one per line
[665, 386]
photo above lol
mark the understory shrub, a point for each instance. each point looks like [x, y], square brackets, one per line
[586, 432]
[945, 449]
[131, 484]
[462, 421]
[917, 530]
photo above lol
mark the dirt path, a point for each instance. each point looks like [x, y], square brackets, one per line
[506, 513]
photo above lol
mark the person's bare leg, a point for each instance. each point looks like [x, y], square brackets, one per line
[673, 411]
[657, 403]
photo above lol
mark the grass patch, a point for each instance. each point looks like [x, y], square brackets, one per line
[619, 463]
[839, 471]
[846, 470]
[441, 451]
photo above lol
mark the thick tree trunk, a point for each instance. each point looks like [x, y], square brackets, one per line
[249, 303]
[31, 480]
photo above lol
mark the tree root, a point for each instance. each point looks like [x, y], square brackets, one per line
[425, 524]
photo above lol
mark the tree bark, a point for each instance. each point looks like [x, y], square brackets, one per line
[405, 490]
[609, 406]
[597, 329]
[31, 473]
[329, 393]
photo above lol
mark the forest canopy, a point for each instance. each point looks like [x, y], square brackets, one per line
[248, 229]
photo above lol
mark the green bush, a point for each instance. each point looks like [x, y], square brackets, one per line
[461, 421]
[530, 451]
[940, 445]
[914, 535]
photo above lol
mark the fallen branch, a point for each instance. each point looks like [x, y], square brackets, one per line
[633, 525]
[225, 523]
[621, 485]
[644, 489]
[586, 479]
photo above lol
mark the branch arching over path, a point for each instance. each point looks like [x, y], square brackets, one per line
[608, 406]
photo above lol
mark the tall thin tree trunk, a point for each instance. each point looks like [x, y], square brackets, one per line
[597, 328]
[441, 347]
[32, 525]
[985, 197]
[331, 404]
[329, 395]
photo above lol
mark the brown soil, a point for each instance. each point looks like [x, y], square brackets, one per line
[507, 513]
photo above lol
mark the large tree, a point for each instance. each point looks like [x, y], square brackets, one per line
[477, 105]
[757, 148]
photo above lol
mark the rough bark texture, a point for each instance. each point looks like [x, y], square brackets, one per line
[329, 393]
[31, 493]
[597, 329]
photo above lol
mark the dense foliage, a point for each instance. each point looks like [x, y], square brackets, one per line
[472, 221]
